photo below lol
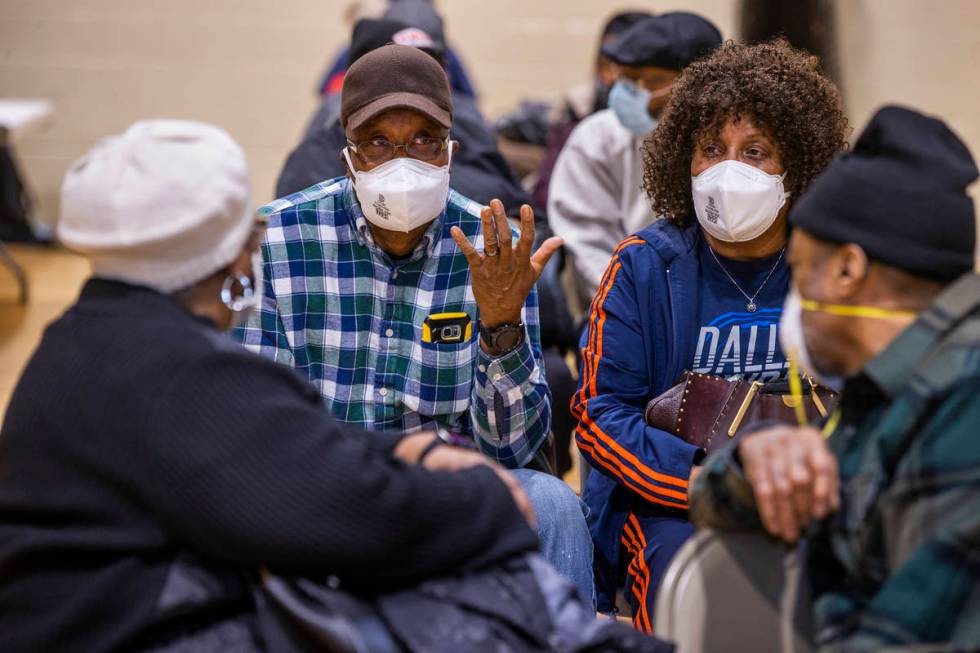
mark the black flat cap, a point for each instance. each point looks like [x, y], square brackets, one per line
[395, 77]
[671, 40]
[900, 194]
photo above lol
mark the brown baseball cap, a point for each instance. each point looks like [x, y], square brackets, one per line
[395, 76]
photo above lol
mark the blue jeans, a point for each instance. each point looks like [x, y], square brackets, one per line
[564, 534]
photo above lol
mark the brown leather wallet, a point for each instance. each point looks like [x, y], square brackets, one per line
[711, 411]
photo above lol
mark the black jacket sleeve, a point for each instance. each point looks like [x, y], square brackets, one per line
[315, 159]
[245, 465]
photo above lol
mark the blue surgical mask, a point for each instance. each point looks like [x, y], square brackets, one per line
[629, 102]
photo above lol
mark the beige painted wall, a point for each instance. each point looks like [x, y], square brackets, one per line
[921, 53]
[250, 65]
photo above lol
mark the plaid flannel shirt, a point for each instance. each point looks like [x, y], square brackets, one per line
[338, 309]
[898, 566]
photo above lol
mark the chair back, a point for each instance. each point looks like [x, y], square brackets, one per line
[735, 592]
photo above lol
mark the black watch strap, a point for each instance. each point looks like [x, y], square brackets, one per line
[429, 448]
[503, 338]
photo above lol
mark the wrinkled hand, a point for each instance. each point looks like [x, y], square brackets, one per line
[501, 283]
[793, 476]
[448, 458]
[452, 459]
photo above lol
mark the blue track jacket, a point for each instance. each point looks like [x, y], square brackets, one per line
[640, 337]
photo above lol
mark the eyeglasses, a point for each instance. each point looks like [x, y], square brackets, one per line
[379, 149]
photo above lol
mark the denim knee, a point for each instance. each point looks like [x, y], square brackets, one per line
[562, 528]
[554, 502]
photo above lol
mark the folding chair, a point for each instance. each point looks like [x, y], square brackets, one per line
[735, 592]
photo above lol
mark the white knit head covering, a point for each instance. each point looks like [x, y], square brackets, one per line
[164, 205]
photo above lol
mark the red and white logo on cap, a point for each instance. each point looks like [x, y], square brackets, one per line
[414, 37]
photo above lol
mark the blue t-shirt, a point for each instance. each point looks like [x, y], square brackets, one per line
[734, 341]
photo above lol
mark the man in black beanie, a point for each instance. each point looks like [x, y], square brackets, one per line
[885, 306]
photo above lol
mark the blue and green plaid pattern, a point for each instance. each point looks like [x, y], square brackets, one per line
[338, 309]
[897, 567]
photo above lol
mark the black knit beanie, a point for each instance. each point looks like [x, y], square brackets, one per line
[900, 194]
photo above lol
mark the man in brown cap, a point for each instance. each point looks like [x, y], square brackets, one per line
[409, 306]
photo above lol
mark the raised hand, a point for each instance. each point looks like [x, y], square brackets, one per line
[503, 274]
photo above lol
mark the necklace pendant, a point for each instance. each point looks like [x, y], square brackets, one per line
[751, 307]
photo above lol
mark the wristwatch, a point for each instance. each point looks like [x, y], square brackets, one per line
[503, 338]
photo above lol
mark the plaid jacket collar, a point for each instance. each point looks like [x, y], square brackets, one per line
[892, 369]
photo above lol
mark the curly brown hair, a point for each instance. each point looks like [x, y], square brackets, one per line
[780, 89]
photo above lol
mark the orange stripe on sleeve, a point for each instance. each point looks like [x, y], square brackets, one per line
[629, 240]
[591, 355]
[606, 281]
[594, 337]
[611, 443]
[631, 480]
[600, 322]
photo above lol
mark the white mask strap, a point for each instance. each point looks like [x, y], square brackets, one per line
[350, 164]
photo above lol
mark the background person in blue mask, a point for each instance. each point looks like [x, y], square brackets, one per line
[582, 100]
[745, 131]
[595, 198]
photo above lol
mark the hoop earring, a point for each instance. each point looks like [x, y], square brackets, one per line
[237, 304]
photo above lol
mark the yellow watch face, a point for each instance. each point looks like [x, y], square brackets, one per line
[447, 328]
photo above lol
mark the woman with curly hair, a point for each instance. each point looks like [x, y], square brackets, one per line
[746, 130]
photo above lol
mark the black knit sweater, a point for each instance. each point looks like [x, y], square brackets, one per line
[139, 439]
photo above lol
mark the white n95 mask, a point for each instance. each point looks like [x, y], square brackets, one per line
[736, 202]
[401, 194]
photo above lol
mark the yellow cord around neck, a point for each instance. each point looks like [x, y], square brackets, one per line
[796, 389]
[847, 310]
[831, 425]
